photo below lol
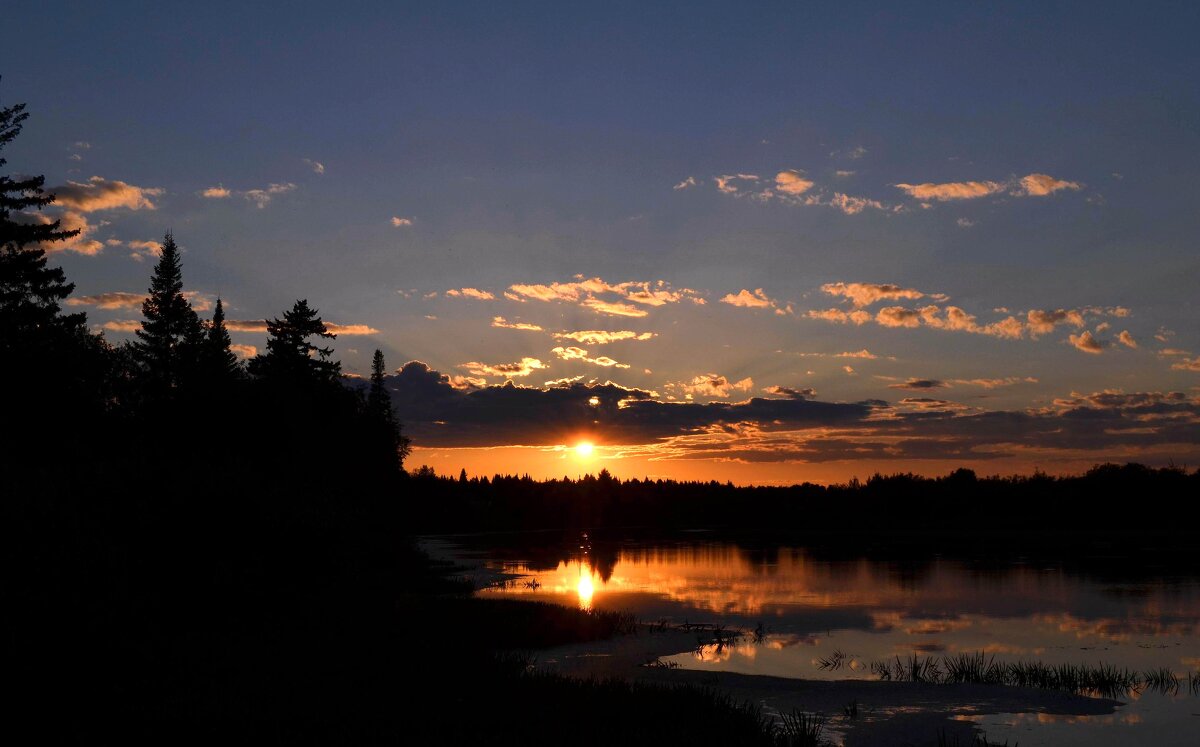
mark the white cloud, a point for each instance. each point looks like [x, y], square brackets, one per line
[688, 182]
[316, 166]
[262, 197]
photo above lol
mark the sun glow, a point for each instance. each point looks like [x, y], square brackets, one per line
[583, 449]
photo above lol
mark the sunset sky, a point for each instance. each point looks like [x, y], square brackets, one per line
[765, 243]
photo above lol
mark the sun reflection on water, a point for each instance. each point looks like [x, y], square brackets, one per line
[585, 588]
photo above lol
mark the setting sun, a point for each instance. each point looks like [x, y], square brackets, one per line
[583, 449]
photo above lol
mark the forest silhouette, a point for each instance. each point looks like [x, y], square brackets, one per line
[202, 548]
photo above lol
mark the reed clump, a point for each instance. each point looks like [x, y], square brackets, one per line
[978, 668]
[799, 729]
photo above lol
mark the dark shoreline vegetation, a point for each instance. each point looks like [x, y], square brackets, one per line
[202, 550]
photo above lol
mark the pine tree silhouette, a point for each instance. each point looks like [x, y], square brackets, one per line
[379, 406]
[171, 335]
[30, 292]
[290, 357]
[217, 359]
[378, 400]
[72, 368]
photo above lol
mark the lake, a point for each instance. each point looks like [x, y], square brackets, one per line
[828, 615]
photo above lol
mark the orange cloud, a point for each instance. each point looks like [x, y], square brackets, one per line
[857, 316]
[1040, 185]
[587, 292]
[111, 300]
[852, 205]
[1086, 343]
[99, 193]
[898, 316]
[612, 308]
[726, 183]
[995, 383]
[791, 392]
[601, 337]
[523, 367]
[1043, 322]
[792, 183]
[501, 322]
[1031, 185]
[756, 299]
[712, 385]
[252, 325]
[350, 330]
[579, 354]
[123, 325]
[952, 190]
[865, 294]
[475, 293]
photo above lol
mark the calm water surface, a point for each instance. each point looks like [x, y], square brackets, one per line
[871, 609]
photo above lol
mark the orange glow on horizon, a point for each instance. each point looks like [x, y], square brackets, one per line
[547, 462]
[584, 449]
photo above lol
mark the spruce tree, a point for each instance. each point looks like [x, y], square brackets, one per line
[217, 358]
[379, 407]
[39, 343]
[378, 400]
[290, 357]
[171, 335]
[30, 292]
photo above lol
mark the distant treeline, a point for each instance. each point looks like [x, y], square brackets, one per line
[1109, 500]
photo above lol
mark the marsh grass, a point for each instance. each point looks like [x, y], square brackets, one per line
[978, 740]
[799, 729]
[850, 711]
[1101, 679]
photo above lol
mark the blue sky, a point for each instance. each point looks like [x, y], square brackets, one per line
[1050, 152]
